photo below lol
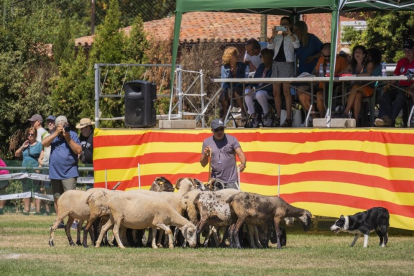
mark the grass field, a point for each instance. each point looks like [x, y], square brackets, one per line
[24, 250]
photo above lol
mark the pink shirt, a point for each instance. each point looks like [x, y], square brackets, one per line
[2, 164]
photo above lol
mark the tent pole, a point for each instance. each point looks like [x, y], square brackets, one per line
[177, 26]
[334, 38]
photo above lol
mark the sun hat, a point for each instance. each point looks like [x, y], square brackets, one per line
[36, 117]
[84, 122]
[61, 120]
[217, 123]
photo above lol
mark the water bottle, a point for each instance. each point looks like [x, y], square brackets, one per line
[328, 68]
[321, 70]
[384, 69]
[246, 75]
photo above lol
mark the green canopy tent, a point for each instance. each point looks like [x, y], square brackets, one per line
[285, 7]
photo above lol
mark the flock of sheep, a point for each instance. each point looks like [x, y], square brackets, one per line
[180, 218]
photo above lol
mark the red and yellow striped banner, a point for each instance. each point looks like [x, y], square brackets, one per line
[327, 171]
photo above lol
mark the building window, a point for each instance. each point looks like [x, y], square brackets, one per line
[348, 29]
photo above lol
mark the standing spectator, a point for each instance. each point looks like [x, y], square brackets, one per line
[393, 99]
[44, 162]
[232, 68]
[222, 149]
[310, 48]
[63, 162]
[284, 46]
[252, 57]
[31, 151]
[36, 122]
[3, 185]
[261, 91]
[86, 140]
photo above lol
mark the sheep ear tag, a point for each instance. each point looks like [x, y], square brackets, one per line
[161, 183]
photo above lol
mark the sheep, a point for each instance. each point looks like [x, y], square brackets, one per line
[187, 201]
[213, 210]
[258, 210]
[139, 211]
[162, 184]
[73, 204]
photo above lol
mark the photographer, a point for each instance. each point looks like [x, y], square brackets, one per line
[63, 162]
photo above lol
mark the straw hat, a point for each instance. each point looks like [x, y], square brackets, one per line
[84, 122]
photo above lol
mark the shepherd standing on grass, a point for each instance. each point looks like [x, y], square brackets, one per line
[222, 148]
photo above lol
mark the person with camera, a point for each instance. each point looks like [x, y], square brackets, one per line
[283, 44]
[63, 162]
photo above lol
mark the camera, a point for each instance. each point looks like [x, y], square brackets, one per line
[66, 128]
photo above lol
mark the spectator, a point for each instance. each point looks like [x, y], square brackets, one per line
[362, 64]
[346, 54]
[63, 162]
[232, 68]
[252, 56]
[393, 99]
[86, 140]
[284, 46]
[36, 122]
[304, 96]
[50, 121]
[31, 151]
[310, 48]
[3, 186]
[261, 91]
[222, 148]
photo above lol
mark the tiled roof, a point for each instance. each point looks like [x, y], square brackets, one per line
[221, 26]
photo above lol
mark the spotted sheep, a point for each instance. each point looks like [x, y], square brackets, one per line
[259, 210]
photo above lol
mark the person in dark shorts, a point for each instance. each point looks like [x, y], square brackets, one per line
[222, 149]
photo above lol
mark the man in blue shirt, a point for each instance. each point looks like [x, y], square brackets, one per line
[63, 162]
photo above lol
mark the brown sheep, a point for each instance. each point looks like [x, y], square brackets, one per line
[258, 210]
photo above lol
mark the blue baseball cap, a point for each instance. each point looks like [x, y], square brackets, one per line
[51, 117]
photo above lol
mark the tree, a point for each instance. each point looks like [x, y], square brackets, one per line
[385, 31]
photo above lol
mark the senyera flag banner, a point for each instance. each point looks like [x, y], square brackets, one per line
[327, 171]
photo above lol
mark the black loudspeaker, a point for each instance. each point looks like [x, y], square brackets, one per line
[139, 104]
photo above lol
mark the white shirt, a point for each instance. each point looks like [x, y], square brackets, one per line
[255, 60]
[40, 131]
[288, 46]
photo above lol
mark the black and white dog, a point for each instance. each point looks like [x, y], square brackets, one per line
[363, 223]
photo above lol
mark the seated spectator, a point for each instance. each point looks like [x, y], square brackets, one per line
[302, 91]
[232, 68]
[261, 91]
[346, 54]
[284, 45]
[394, 98]
[252, 56]
[3, 186]
[363, 63]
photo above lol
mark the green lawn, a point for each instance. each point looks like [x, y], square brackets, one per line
[24, 250]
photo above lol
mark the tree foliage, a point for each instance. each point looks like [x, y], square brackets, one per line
[386, 31]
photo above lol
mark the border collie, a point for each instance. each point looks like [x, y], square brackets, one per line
[363, 223]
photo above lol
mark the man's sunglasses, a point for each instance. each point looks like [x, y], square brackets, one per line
[30, 134]
[219, 130]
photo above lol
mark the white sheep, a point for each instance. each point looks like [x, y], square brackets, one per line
[138, 211]
[72, 204]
